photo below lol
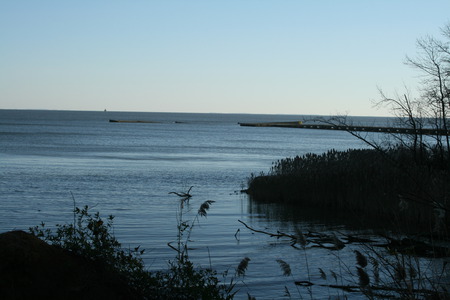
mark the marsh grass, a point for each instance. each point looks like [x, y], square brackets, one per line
[380, 273]
[364, 183]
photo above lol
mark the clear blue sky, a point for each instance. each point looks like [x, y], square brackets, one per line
[246, 56]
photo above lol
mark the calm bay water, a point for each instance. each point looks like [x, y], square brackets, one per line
[128, 170]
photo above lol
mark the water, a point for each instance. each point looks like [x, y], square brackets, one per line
[128, 170]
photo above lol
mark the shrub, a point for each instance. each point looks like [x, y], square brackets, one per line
[91, 237]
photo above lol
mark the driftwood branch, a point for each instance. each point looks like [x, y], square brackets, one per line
[331, 242]
[277, 235]
[186, 195]
[319, 240]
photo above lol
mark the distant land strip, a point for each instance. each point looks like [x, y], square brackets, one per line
[299, 124]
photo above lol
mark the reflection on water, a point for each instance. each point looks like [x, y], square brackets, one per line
[322, 266]
[314, 217]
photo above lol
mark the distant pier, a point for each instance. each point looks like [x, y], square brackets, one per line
[299, 124]
[130, 121]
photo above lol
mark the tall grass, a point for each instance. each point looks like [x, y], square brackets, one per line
[387, 185]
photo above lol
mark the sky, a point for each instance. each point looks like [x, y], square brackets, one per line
[222, 56]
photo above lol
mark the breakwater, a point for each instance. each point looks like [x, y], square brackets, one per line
[299, 124]
[130, 121]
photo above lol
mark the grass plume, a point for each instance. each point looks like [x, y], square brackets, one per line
[322, 274]
[242, 267]
[300, 238]
[202, 211]
[364, 279]
[285, 267]
[361, 260]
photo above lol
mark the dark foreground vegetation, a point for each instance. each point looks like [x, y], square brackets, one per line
[84, 260]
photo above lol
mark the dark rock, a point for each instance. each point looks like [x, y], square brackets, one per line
[32, 269]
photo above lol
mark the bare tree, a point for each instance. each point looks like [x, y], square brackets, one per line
[410, 114]
[433, 61]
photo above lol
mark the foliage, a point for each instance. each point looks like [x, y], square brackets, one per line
[189, 282]
[91, 237]
[186, 280]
